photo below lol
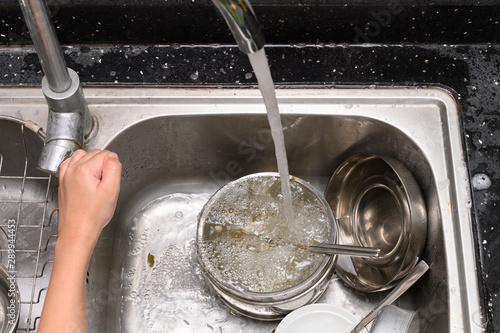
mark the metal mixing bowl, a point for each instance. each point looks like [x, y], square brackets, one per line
[276, 302]
[378, 204]
[10, 302]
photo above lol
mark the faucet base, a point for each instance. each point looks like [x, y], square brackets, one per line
[69, 124]
[92, 133]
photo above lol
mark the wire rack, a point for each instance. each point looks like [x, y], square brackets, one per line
[28, 216]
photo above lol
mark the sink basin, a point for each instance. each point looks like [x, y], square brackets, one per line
[178, 146]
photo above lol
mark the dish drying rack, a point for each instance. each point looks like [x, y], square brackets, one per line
[28, 201]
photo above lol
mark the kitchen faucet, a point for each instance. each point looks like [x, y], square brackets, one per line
[70, 125]
[69, 121]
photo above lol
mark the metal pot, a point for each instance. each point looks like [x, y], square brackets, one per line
[275, 302]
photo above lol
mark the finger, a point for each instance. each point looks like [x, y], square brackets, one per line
[94, 164]
[89, 156]
[111, 174]
[62, 168]
[77, 155]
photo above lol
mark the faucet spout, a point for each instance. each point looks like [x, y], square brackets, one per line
[69, 120]
[243, 23]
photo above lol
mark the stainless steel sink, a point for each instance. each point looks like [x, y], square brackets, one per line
[178, 146]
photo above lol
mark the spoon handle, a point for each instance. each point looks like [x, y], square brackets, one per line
[403, 286]
[350, 250]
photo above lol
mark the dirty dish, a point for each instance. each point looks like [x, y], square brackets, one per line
[318, 318]
[239, 247]
[378, 204]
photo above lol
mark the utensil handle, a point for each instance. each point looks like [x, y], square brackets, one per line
[350, 250]
[403, 286]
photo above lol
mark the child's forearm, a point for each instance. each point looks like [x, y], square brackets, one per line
[65, 303]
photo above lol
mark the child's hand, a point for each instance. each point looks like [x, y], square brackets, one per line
[88, 190]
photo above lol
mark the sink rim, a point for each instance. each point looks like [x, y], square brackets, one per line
[453, 185]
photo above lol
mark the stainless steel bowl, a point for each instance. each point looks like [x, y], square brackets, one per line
[10, 302]
[226, 212]
[378, 204]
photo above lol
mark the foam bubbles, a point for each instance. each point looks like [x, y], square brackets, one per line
[248, 245]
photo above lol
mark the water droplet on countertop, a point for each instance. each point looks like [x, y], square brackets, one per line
[194, 76]
[481, 181]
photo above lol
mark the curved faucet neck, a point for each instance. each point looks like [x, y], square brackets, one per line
[243, 23]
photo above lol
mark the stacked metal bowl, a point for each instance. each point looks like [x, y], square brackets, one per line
[377, 203]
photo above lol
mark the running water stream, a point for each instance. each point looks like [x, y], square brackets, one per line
[260, 67]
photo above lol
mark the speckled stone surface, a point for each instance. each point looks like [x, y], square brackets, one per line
[440, 47]
[284, 21]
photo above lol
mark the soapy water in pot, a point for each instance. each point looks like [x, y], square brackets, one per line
[247, 243]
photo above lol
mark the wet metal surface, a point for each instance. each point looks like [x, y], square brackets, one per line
[179, 145]
[28, 218]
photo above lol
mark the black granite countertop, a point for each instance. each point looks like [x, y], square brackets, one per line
[351, 42]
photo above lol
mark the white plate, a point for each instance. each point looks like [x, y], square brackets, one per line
[319, 318]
